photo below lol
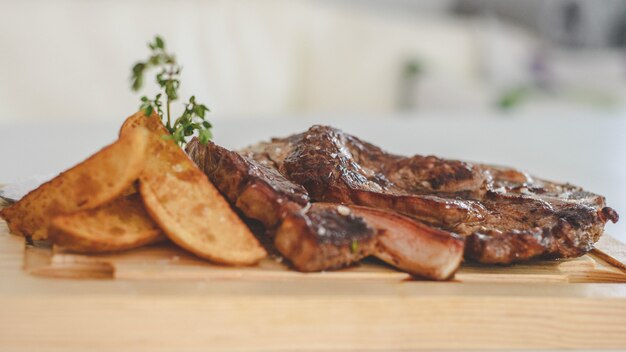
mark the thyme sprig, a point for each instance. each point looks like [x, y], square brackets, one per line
[193, 119]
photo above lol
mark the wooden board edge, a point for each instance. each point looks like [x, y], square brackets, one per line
[611, 250]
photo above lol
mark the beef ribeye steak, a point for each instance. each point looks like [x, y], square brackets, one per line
[321, 236]
[505, 215]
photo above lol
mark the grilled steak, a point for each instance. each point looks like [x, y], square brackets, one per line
[506, 215]
[329, 235]
[259, 191]
[322, 236]
[404, 210]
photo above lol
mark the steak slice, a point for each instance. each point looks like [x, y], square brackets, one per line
[506, 215]
[258, 191]
[329, 235]
[323, 236]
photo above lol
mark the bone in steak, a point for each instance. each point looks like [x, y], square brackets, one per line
[506, 215]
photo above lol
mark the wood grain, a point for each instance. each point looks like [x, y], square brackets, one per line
[281, 322]
[168, 262]
[149, 307]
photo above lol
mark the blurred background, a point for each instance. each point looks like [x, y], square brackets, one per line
[536, 84]
[71, 59]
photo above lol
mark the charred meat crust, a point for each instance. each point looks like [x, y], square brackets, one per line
[323, 236]
[327, 236]
[507, 215]
[260, 192]
[320, 238]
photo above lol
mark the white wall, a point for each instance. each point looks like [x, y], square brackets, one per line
[70, 59]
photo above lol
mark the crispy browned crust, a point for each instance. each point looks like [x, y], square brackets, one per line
[116, 226]
[320, 236]
[507, 215]
[101, 178]
[186, 205]
[260, 192]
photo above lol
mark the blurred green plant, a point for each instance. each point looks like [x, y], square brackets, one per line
[413, 68]
[513, 98]
[410, 76]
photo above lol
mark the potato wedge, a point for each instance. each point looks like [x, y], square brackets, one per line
[186, 205]
[119, 225]
[99, 179]
[137, 120]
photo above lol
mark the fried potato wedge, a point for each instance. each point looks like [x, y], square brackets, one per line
[119, 225]
[186, 205]
[98, 180]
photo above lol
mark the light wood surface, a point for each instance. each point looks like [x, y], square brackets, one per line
[168, 262]
[160, 299]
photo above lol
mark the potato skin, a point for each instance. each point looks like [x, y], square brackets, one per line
[187, 206]
[96, 181]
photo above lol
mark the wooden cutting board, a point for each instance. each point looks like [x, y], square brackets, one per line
[167, 262]
[160, 298]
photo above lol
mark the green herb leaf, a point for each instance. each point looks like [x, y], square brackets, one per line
[149, 110]
[192, 121]
[198, 111]
[159, 42]
[205, 135]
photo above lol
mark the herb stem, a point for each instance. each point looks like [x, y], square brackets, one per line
[169, 125]
[192, 121]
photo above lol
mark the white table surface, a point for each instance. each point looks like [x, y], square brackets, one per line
[586, 151]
